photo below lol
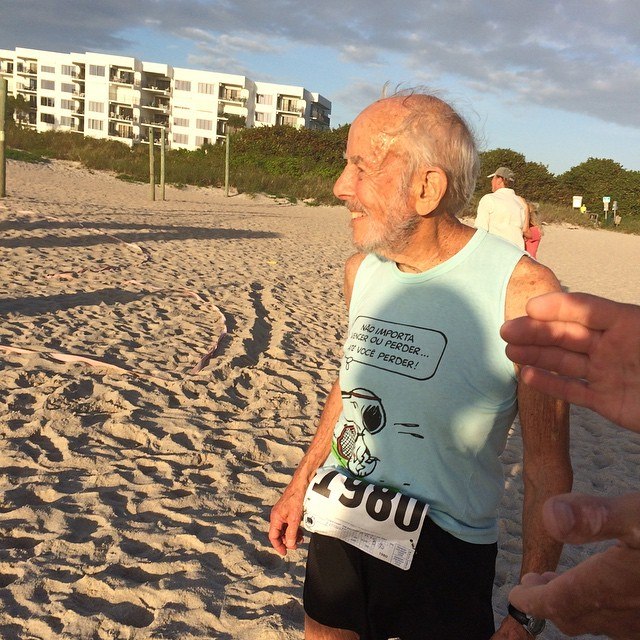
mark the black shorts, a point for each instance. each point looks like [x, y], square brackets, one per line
[445, 595]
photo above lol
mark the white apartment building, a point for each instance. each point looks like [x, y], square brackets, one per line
[120, 98]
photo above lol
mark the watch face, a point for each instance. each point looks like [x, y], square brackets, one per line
[535, 626]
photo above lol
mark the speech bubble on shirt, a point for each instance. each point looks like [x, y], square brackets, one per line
[404, 349]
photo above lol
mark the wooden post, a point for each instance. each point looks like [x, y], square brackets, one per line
[152, 169]
[3, 160]
[226, 166]
[162, 135]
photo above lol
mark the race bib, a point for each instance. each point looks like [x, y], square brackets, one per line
[377, 520]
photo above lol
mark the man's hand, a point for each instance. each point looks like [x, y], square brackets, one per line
[582, 349]
[602, 594]
[286, 516]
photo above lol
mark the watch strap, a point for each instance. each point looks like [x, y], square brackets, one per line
[520, 616]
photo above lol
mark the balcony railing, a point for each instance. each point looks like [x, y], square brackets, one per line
[119, 115]
[232, 96]
[31, 87]
[155, 85]
[28, 69]
[122, 78]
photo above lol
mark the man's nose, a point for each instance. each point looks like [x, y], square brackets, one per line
[343, 188]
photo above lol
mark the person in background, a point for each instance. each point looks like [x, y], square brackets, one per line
[585, 350]
[533, 232]
[502, 212]
[424, 401]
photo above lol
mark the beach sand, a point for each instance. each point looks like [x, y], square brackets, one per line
[136, 478]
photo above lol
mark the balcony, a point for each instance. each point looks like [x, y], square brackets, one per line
[122, 77]
[121, 131]
[156, 120]
[27, 68]
[288, 105]
[123, 115]
[232, 95]
[31, 87]
[291, 121]
[320, 117]
[160, 105]
[160, 85]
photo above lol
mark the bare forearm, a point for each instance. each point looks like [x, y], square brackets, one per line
[541, 552]
[321, 444]
[547, 472]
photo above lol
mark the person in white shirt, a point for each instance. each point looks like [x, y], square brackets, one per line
[502, 212]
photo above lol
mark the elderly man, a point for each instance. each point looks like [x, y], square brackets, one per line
[401, 483]
[502, 212]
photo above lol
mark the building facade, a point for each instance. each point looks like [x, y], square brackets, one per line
[122, 98]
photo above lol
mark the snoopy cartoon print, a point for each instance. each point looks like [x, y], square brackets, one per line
[363, 416]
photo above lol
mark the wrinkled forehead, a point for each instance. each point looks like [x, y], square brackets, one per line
[374, 135]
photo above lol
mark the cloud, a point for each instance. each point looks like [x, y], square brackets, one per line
[581, 56]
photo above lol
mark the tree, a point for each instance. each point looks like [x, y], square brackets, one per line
[16, 106]
[598, 177]
[533, 180]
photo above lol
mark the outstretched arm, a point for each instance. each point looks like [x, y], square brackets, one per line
[582, 349]
[602, 594]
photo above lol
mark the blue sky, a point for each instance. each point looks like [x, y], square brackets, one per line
[558, 81]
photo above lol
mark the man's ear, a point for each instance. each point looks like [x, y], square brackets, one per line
[431, 188]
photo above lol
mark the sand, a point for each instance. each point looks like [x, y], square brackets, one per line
[136, 478]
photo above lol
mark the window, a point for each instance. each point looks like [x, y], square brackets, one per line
[204, 124]
[261, 98]
[263, 117]
[46, 69]
[96, 107]
[47, 102]
[67, 70]
[48, 84]
[96, 70]
[289, 120]
[181, 138]
[183, 85]
[65, 87]
[180, 122]
[66, 121]
[67, 104]
[95, 124]
[48, 118]
[204, 87]
[200, 141]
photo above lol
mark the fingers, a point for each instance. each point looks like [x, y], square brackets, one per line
[591, 311]
[533, 597]
[283, 535]
[276, 537]
[529, 331]
[566, 363]
[537, 579]
[579, 518]
[574, 391]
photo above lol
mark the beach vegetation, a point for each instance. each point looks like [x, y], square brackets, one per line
[302, 165]
[25, 156]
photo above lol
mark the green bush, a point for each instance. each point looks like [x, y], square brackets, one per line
[303, 165]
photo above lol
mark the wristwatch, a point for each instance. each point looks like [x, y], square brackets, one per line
[533, 625]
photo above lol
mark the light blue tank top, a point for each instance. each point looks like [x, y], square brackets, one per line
[428, 394]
